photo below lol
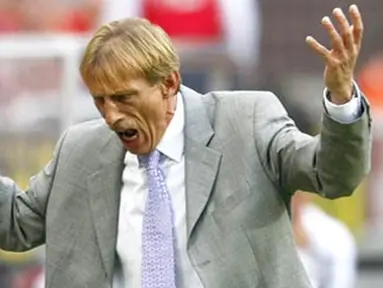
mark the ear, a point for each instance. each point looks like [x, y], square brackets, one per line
[171, 84]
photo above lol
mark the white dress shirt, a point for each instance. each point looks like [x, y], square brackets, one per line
[133, 199]
[134, 194]
[330, 258]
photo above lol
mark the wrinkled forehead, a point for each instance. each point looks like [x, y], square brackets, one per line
[104, 88]
[110, 79]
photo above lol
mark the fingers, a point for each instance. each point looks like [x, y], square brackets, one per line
[318, 48]
[336, 39]
[357, 25]
[345, 29]
[344, 43]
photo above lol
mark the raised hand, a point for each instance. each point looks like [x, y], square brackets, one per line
[340, 60]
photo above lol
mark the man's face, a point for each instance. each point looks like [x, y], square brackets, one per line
[137, 111]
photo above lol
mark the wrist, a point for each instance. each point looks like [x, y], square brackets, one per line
[342, 96]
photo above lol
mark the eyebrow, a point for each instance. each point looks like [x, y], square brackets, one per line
[119, 93]
[125, 92]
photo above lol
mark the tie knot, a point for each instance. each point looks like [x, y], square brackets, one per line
[151, 160]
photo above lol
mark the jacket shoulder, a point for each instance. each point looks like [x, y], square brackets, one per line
[86, 134]
[246, 102]
[259, 98]
[89, 128]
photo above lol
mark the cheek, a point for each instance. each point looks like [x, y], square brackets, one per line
[153, 112]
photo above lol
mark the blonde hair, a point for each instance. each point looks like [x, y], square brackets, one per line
[128, 48]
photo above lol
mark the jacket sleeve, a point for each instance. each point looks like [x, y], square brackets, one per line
[22, 213]
[332, 164]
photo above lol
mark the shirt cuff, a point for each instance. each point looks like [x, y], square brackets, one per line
[345, 113]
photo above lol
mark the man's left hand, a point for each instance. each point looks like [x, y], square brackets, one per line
[341, 59]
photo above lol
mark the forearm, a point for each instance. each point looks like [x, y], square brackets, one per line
[331, 164]
[344, 154]
[18, 215]
[22, 214]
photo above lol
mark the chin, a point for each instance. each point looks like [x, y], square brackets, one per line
[139, 150]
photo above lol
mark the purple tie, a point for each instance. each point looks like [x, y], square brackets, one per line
[158, 264]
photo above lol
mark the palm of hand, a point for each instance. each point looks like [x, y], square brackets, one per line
[341, 59]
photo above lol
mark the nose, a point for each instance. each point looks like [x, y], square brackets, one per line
[112, 115]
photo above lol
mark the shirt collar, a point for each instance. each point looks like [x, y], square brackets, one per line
[172, 143]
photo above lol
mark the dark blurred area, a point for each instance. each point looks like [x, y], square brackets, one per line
[224, 44]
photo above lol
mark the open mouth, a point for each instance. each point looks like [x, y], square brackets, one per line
[128, 135]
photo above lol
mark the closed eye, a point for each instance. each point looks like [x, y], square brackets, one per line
[122, 98]
[99, 99]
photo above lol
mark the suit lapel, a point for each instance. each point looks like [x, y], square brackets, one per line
[104, 189]
[201, 162]
[201, 169]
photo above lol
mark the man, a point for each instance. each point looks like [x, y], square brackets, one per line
[325, 245]
[175, 189]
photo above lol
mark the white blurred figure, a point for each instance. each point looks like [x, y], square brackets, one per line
[39, 282]
[240, 21]
[325, 245]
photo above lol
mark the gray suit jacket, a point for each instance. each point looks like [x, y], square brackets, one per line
[244, 159]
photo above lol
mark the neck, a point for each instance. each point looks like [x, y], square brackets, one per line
[172, 108]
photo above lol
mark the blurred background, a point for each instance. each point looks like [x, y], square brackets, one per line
[224, 44]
